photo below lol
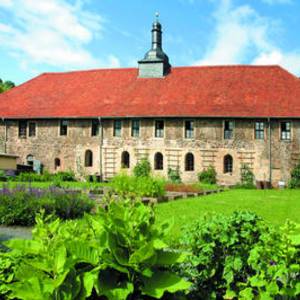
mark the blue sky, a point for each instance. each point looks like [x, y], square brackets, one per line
[39, 36]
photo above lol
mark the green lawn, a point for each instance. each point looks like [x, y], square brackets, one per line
[275, 206]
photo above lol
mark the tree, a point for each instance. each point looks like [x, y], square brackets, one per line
[6, 85]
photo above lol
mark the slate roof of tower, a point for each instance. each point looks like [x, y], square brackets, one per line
[216, 91]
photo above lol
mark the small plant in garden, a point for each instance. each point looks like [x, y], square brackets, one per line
[241, 257]
[247, 177]
[117, 254]
[19, 206]
[124, 184]
[174, 175]
[295, 177]
[208, 176]
[142, 168]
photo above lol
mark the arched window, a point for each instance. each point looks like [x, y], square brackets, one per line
[56, 163]
[125, 160]
[158, 161]
[88, 158]
[189, 162]
[29, 160]
[228, 164]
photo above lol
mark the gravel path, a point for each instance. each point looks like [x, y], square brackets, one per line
[7, 233]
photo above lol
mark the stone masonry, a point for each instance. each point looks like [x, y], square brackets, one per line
[208, 147]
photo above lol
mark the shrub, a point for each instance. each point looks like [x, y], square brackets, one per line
[124, 184]
[174, 175]
[241, 257]
[117, 254]
[295, 177]
[20, 205]
[142, 169]
[208, 176]
[247, 177]
[45, 177]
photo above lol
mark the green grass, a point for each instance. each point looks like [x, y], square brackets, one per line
[64, 184]
[275, 206]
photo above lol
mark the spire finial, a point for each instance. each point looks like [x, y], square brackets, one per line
[157, 16]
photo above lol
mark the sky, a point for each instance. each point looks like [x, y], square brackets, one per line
[38, 36]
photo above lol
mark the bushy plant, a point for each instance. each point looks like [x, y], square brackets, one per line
[174, 175]
[119, 253]
[208, 176]
[294, 182]
[241, 257]
[124, 184]
[142, 168]
[45, 177]
[20, 205]
[247, 178]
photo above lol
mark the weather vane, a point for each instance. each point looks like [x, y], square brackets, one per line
[157, 16]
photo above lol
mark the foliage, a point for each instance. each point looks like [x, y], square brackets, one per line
[241, 257]
[247, 178]
[117, 254]
[45, 177]
[174, 175]
[6, 85]
[208, 175]
[142, 169]
[19, 206]
[3, 176]
[295, 177]
[124, 184]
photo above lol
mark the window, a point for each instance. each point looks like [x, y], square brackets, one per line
[135, 128]
[228, 129]
[125, 160]
[159, 128]
[228, 164]
[88, 158]
[63, 127]
[189, 129]
[285, 130]
[29, 160]
[32, 129]
[259, 130]
[56, 163]
[189, 162]
[22, 129]
[117, 128]
[158, 161]
[95, 128]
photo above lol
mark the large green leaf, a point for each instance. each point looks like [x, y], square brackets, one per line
[165, 257]
[162, 282]
[26, 246]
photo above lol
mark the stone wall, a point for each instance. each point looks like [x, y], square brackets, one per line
[208, 147]
[2, 137]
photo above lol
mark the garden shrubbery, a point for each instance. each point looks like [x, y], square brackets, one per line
[241, 257]
[45, 177]
[247, 178]
[117, 254]
[142, 169]
[294, 182]
[174, 175]
[19, 206]
[142, 186]
[208, 176]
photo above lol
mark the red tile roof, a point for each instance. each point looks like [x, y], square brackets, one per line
[221, 91]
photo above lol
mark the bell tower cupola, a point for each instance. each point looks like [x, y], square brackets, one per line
[155, 64]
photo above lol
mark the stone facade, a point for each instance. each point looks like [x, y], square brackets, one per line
[208, 147]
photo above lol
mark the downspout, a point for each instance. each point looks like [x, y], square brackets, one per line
[270, 152]
[5, 135]
[100, 148]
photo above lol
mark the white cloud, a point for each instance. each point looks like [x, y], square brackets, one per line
[52, 32]
[271, 2]
[241, 33]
